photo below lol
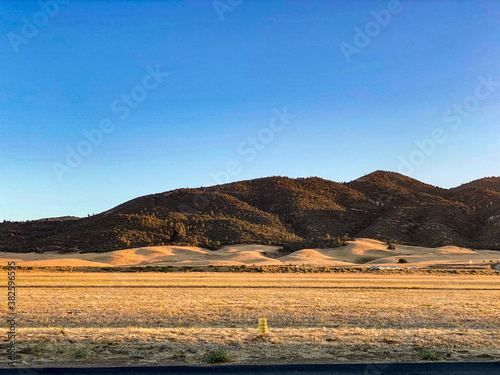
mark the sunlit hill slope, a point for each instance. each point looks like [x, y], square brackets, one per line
[279, 211]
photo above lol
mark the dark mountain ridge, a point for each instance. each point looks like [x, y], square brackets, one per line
[492, 183]
[293, 213]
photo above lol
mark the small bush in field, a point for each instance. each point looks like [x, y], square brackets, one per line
[219, 355]
[428, 355]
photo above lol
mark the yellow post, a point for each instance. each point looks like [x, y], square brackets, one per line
[263, 326]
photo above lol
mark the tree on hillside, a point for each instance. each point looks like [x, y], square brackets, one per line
[179, 232]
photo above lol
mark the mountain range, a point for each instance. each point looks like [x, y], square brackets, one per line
[292, 213]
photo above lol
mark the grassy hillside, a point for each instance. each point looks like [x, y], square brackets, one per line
[293, 213]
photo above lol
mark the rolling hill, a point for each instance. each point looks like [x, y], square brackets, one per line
[290, 213]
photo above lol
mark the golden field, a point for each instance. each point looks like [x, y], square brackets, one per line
[175, 318]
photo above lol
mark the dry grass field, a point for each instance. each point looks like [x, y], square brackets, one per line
[176, 318]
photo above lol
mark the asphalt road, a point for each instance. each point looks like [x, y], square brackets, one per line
[481, 368]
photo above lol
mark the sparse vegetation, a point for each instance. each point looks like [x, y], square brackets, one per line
[402, 260]
[428, 355]
[166, 324]
[79, 352]
[38, 349]
[218, 355]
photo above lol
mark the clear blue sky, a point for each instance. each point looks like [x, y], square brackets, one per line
[66, 69]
